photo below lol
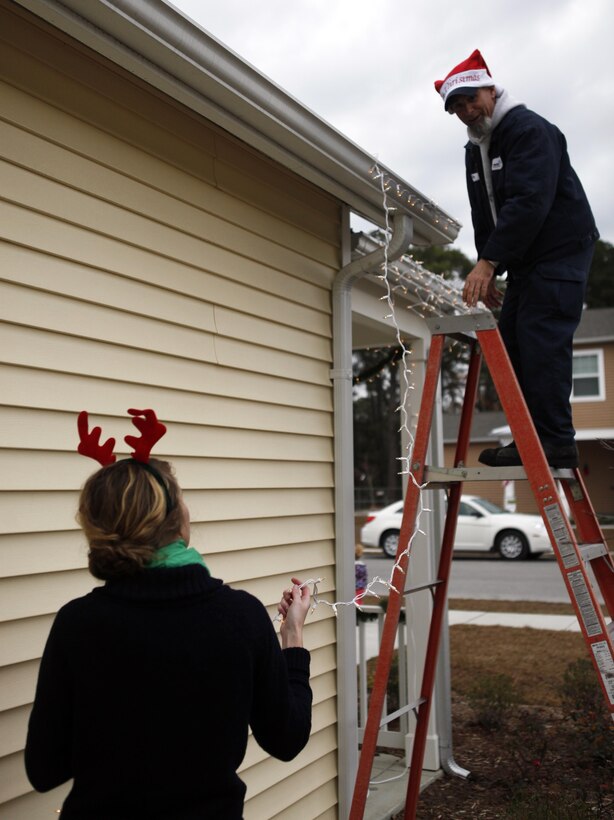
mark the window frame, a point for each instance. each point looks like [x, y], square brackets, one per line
[600, 374]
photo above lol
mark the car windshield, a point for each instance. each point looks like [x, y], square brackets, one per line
[489, 506]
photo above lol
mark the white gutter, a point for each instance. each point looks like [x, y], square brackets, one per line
[344, 498]
[155, 42]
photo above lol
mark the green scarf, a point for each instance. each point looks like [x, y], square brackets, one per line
[177, 554]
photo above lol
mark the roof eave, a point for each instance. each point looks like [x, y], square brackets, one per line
[161, 46]
[588, 340]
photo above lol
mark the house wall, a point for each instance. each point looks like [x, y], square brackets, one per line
[596, 462]
[150, 260]
[597, 469]
[596, 465]
[591, 414]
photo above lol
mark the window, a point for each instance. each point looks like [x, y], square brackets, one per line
[588, 378]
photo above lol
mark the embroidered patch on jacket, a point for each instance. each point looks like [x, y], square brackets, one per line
[475, 177]
[497, 164]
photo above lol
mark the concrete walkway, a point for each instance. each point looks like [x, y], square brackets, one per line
[388, 789]
[560, 623]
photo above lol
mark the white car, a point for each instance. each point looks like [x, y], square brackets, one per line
[481, 525]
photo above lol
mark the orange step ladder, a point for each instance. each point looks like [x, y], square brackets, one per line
[574, 554]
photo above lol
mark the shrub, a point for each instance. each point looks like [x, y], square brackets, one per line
[492, 698]
[584, 706]
[528, 744]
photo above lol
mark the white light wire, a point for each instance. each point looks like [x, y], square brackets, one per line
[435, 295]
[384, 276]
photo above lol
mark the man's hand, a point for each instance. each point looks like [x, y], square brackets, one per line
[480, 287]
[293, 609]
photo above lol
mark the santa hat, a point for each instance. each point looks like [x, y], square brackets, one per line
[465, 78]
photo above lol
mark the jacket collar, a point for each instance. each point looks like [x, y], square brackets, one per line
[503, 105]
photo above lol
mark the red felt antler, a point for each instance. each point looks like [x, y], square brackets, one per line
[151, 431]
[89, 443]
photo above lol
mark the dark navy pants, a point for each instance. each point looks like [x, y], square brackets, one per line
[540, 313]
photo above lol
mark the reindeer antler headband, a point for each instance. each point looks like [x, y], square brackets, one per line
[151, 431]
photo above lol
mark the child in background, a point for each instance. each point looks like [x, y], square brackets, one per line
[361, 572]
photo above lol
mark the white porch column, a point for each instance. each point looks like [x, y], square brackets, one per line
[422, 567]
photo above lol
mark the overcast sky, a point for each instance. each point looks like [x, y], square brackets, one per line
[368, 69]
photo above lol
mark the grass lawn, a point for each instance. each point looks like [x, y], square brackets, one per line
[534, 659]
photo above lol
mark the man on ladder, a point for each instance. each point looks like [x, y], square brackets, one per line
[532, 219]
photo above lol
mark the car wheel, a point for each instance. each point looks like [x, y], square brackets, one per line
[512, 545]
[389, 543]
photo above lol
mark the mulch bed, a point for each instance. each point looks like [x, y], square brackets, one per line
[540, 765]
[508, 781]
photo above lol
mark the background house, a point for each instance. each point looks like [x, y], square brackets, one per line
[482, 436]
[593, 411]
[172, 224]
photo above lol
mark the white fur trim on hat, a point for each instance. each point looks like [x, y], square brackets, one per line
[471, 73]
[466, 79]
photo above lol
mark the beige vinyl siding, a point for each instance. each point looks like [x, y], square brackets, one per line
[149, 259]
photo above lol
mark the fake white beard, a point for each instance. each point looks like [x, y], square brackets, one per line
[481, 128]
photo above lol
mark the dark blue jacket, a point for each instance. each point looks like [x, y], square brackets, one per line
[542, 211]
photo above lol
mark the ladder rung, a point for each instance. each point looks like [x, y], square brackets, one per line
[403, 710]
[591, 551]
[430, 585]
[451, 475]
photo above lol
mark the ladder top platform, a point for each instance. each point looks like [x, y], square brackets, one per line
[448, 475]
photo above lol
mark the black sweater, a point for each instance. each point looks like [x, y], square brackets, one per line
[146, 690]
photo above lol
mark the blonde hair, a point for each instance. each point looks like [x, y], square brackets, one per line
[124, 514]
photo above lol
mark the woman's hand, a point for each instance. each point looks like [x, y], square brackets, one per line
[293, 609]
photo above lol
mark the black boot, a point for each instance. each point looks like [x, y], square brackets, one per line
[507, 456]
[563, 457]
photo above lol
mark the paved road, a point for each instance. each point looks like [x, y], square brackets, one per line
[490, 577]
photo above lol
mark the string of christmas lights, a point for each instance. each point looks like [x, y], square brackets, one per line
[407, 373]
[405, 427]
[430, 295]
[390, 358]
[390, 186]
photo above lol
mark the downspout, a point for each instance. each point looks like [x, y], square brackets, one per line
[341, 375]
[443, 684]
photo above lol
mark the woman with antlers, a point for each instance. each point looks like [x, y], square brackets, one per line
[149, 683]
